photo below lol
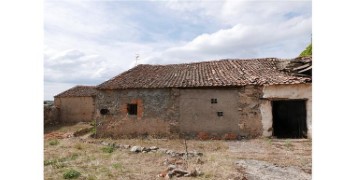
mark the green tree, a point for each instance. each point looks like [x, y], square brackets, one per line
[307, 51]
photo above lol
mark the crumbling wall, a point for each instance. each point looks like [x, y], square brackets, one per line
[51, 115]
[157, 112]
[249, 112]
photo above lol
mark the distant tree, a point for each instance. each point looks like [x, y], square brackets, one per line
[307, 51]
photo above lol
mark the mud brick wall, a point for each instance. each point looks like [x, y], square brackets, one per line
[75, 109]
[239, 107]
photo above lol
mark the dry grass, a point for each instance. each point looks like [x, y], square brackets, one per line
[219, 156]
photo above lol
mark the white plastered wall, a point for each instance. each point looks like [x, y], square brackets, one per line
[289, 91]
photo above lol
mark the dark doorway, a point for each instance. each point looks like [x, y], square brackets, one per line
[289, 118]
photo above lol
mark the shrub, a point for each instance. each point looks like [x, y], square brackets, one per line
[53, 142]
[71, 174]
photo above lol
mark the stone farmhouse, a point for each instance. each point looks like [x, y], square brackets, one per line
[252, 98]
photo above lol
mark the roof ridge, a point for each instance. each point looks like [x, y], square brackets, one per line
[214, 60]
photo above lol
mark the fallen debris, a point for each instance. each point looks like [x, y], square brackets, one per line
[58, 135]
[174, 171]
[136, 149]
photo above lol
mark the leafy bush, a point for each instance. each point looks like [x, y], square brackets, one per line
[71, 174]
[54, 142]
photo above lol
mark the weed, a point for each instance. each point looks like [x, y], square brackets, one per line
[207, 176]
[288, 144]
[74, 156]
[93, 130]
[71, 174]
[79, 146]
[108, 149]
[55, 163]
[49, 162]
[93, 123]
[117, 166]
[91, 177]
[53, 142]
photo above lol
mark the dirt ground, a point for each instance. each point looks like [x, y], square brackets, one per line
[261, 158]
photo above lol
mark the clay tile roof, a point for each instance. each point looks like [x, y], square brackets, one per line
[79, 91]
[220, 73]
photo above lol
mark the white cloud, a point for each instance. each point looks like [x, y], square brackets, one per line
[243, 41]
[73, 66]
[88, 42]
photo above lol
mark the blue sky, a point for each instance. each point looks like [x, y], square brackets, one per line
[88, 42]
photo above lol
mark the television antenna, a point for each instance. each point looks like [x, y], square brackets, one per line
[137, 58]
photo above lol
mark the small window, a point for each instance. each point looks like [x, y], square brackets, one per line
[104, 111]
[213, 101]
[220, 113]
[132, 109]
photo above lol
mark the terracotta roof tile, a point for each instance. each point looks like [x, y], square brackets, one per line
[221, 73]
[79, 91]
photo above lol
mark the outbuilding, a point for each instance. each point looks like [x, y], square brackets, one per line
[76, 104]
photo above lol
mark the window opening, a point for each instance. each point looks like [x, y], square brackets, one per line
[104, 111]
[132, 109]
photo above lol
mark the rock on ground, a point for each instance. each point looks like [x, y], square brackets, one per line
[262, 170]
[136, 149]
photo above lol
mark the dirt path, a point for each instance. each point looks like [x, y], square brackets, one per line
[261, 170]
[273, 158]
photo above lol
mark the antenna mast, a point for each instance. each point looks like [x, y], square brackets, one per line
[137, 58]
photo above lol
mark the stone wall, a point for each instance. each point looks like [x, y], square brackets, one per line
[51, 115]
[157, 112]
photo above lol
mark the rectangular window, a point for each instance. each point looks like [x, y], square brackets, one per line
[220, 113]
[213, 101]
[132, 109]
